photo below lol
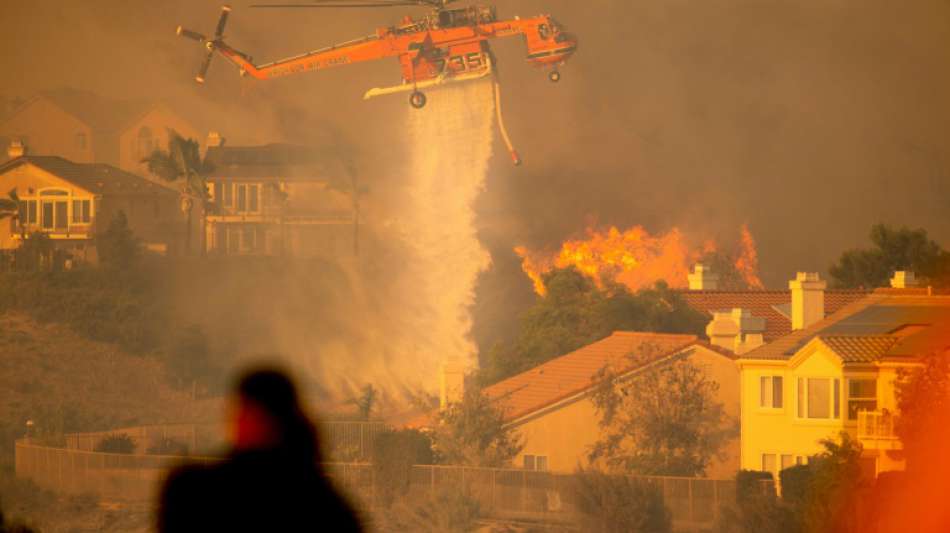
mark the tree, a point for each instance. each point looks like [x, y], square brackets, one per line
[10, 206]
[575, 312]
[365, 402]
[188, 357]
[828, 501]
[34, 253]
[473, 432]
[117, 246]
[664, 421]
[182, 162]
[894, 249]
[923, 398]
[394, 455]
[609, 504]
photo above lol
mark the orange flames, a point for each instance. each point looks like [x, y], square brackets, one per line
[635, 258]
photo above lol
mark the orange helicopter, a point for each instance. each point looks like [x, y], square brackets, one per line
[445, 46]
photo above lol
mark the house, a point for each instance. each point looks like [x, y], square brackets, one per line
[83, 127]
[752, 317]
[836, 374]
[278, 199]
[550, 405]
[70, 202]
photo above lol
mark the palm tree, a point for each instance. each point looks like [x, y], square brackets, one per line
[183, 162]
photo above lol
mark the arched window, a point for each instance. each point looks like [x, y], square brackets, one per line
[145, 143]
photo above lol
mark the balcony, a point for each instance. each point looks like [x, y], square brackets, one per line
[876, 431]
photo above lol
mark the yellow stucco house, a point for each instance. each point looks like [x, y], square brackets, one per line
[550, 405]
[834, 374]
[70, 202]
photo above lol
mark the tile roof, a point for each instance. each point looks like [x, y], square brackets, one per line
[860, 348]
[575, 372]
[96, 178]
[772, 305]
[877, 315]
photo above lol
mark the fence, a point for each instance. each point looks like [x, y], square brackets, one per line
[145, 437]
[502, 493]
[693, 502]
[350, 440]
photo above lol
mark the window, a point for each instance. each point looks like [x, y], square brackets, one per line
[768, 462]
[788, 461]
[536, 462]
[252, 198]
[62, 219]
[242, 198]
[227, 194]
[862, 396]
[770, 388]
[81, 212]
[47, 215]
[819, 398]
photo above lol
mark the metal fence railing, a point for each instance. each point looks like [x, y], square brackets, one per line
[875, 425]
[694, 503]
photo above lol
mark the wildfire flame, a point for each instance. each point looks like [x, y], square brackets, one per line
[635, 258]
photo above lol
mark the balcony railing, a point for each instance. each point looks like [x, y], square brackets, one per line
[876, 425]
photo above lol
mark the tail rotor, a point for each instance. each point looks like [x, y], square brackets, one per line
[211, 44]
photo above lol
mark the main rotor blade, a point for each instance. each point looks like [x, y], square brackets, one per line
[182, 32]
[200, 78]
[219, 31]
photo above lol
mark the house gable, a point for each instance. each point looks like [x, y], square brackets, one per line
[149, 131]
[46, 128]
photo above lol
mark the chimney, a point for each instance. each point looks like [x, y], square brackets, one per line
[808, 299]
[215, 139]
[903, 279]
[736, 330]
[451, 383]
[703, 279]
[16, 149]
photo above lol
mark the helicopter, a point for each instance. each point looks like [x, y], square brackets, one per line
[444, 46]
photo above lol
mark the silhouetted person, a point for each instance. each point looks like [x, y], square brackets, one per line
[271, 481]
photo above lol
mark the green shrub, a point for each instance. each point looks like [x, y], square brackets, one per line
[608, 503]
[116, 443]
[447, 511]
[795, 483]
[752, 483]
[394, 454]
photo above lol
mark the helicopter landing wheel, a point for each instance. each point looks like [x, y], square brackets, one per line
[417, 100]
[554, 76]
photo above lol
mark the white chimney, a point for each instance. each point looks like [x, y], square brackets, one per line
[808, 299]
[215, 139]
[736, 330]
[903, 279]
[703, 279]
[16, 149]
[451, 383]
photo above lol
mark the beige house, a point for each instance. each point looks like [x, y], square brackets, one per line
[70, 202]
[278, 199]
[86, 128]
[550, 405]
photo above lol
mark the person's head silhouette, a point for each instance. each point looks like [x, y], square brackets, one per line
[269, 416]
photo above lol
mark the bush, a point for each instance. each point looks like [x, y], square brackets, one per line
[394, 454]
[749, 484]
[448, 511]
[608, 503]
[759, 513]
[116, 443]
[795, 483]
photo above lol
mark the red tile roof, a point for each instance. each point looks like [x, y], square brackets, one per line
[575, 372]
[766, 304]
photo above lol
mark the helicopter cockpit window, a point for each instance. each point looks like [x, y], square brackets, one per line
[544, 31]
